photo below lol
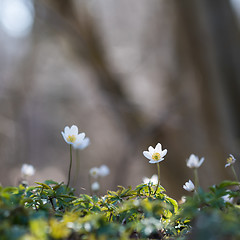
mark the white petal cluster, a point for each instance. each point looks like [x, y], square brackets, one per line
[71, 135]
[153, 179]
[227, 198]
[230, 160]
[95, 186]
[189, 186]
[156, 154]
[94, 172]
[194, 162]
[27, 170]
[102, 171]
[82, 145]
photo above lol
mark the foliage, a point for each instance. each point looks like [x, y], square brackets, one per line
[50, 210]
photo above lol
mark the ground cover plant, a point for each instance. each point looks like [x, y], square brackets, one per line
[52, 210]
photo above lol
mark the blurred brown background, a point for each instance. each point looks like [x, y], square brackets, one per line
[129, 74]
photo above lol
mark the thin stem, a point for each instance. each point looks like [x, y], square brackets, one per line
[70, 166]
[158, 167]
[234, 172]
[196, 180]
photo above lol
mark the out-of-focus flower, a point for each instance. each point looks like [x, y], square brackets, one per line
[95, 186]
[156, 154]
[153, 179]
[230, 160]
[227, 198]
[27, 170]
[81, 145]
[103, 171]
[189, 186]
[94, 172]
[194, 162]
[71, 135]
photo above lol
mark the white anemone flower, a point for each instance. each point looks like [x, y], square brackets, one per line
[94, 172]
[153, 179]
[194, 162]
[103, 171]
[227, 198]
[230, 160]
[82, 145]
[27, 170]
[189, 186]
[95, 186]
[156, 154]
[71, 135]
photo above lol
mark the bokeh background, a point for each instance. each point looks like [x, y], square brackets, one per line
[129, 74]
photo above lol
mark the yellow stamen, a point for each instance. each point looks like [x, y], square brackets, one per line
[229, 160]
[71, 138]
[156, 156]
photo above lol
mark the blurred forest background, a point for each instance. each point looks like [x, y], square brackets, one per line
[129, 74]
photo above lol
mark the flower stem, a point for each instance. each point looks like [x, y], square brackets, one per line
[234, 172]
[158, 167]
[196, 180]
[70, 166]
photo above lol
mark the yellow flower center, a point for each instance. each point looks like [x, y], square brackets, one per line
[156, 156]
[229, 160]
[71, 138]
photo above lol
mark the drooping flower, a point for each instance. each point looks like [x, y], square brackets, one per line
[194, 162]
[230, 160]
[94, 172]
[156, 154]
[153, 179]
[95, 186]
[189, 186]
[71, 135]
[103, 171]
[27, 170]
[82, 144]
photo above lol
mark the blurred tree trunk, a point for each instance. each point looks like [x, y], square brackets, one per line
[208, 45]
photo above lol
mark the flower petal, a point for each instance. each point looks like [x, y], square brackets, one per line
[64, 137]
[73, 130]
[164, 152]
[80, 137]
[66, 130]
[151, 150]
[158, 148]
[201, 161]
[147, 154]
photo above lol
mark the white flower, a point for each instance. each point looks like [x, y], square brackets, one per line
[227, 198]
[230, 160]
[153, 179]
[83, 144]
[94, 172]
[71, 135]
[194, 162]
[189, 186]
[103, 171]
[27, 170]
[155, 155]
[95, 186]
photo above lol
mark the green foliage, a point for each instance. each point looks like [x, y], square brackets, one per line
[50, 211]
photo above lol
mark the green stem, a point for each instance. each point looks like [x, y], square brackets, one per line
[158, 167]
[70, 166]
[196, 180]
[234, 172]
